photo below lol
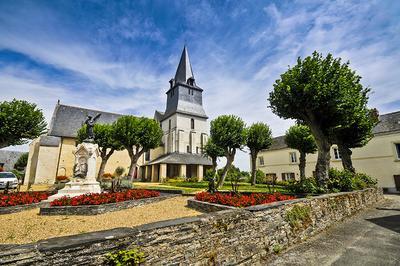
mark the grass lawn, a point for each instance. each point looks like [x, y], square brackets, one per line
[193, 187]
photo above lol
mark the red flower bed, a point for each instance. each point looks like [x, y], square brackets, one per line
[104, 198]
[21, 198]
[242, 200]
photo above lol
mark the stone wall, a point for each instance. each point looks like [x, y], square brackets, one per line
[239, 236]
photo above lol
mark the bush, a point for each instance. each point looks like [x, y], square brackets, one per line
[192, 179]
[119, 171]
[208, 175]
[308, 185]
[18, 174]
[22, 161]
[176, 179]
[125, 257]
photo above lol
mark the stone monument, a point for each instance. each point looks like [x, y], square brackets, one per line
[86, 154]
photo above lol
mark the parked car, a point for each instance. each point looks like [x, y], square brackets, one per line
[10, 178]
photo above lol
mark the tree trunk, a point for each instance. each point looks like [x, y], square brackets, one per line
[323, 161]
[229, 160]
[214, 165]
[302, 166]
[104, 160]
[253, 155]
[345, 154]
[134, 158]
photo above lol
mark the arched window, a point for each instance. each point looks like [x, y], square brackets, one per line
[192, 123]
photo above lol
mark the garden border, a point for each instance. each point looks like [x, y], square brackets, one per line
[20, 208]
[102, 208]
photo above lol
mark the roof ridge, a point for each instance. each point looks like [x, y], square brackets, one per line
[84, 108]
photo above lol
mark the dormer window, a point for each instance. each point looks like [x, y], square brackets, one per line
[192, 123]
[190, 81]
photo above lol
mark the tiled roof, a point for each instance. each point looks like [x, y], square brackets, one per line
[182, 158]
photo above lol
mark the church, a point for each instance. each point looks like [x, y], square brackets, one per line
[185, 131]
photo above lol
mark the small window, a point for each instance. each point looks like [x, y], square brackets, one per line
[287, 176]
[397, 150]
[169, 124]
[336, 154]
[197, 150]
[261, 160]
[188, 149]
[293, 157]
[192, 123]
[189, 91]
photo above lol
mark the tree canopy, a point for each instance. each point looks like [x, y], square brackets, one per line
[20, 121]
[137, 135]
[259, 137]
[213, 151]
[22, 161]
[322, 93]
[299, 137]
[229, 133]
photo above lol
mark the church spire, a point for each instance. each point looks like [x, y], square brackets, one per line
[184, 71]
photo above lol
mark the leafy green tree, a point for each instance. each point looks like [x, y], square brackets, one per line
[138, 135]
[299, 137]
[103, 137]
[20, 121]
[322, 93]
[213, 151]
[259, 137]
[355, 135]
[229, 133]
[22, 161]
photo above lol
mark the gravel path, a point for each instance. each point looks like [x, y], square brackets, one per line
[28, 226]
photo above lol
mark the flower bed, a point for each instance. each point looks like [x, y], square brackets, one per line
[105, 198]
[22, 198]
[241, 200]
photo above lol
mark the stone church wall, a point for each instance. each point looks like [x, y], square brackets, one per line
[246, 236]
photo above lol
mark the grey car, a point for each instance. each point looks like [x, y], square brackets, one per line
[10, 178]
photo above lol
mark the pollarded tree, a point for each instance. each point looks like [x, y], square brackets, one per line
[299, 137]
[103, 137]
[259, 137]
[355, 135]
[20, 121]
[229, 133]
[213, 151]
[322, 93]
[138, 135]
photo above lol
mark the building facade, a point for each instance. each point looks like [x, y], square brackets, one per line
[184, 124]
[380, 158]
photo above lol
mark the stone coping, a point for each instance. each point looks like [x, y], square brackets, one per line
[20, 208]
[207, 207]
[102, 208]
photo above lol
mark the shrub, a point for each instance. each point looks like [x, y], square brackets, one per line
[119, 171]
[176, 179]
[61, 178]
[104, 198]
[297, 215]
[107, 176]
[193, 179]
[22, 161]
[126, 257]
[308, 185]
[18, 174]
[261, 178]
[22, 198]
[241, 200]
[208, 175]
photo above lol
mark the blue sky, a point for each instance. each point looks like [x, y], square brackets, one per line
[118, 56]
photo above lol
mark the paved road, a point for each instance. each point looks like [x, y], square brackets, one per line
[370, 238]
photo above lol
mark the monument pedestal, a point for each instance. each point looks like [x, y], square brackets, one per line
[85, 163]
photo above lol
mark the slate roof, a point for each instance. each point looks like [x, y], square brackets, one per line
[182, 158]
[388, 123]
[184, 70]
[67, 119]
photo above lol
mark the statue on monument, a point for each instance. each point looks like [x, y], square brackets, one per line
[80, 167]
[90, 122]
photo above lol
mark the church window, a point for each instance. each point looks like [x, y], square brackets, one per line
[192, 123]
[169, 124]
[188, 149]
[197, 150]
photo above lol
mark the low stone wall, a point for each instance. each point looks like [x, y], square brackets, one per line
[239, 236]
[20, 208]
[207, 207]
[98, 209]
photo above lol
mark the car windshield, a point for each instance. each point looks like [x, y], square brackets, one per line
[7, 175]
